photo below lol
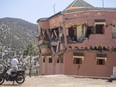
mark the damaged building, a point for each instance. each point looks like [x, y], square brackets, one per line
[80, 40]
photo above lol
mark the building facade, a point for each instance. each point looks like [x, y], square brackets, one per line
[80, 40]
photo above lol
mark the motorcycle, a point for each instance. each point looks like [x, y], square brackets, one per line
[18, 76]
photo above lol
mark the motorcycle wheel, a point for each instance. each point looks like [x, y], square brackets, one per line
[1, 80]
[20, 79]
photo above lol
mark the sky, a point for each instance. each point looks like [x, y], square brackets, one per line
[32, 10]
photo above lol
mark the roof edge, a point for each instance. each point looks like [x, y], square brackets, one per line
[42, 19]
[47, 18]
[55, 15]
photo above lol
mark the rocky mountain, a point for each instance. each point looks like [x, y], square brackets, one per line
[16, 33]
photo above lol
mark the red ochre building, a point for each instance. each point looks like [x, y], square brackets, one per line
[80, 40]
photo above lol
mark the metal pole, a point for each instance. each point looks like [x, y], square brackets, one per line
[54, 8]
[103, 3]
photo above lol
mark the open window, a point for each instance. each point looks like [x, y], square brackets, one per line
[99, 26]
[58, 61]
[90, 30]
[101, 59]
[43, 59]
[54, 48]
[49, 57]
[50, 60]
[72, 34]
[78, 58]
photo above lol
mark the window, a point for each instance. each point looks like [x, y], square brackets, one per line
[58, 61]
[54, 48]
[50, 60]
[78, 57]
[100, 61]
[90, 30]
[99, 26]
[72, 34]
[77, 61]
[43, 60]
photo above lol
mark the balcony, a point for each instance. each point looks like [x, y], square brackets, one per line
[95, 40]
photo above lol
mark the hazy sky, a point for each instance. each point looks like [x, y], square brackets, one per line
[32, 10]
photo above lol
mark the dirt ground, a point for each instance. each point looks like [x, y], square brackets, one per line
[61, 81]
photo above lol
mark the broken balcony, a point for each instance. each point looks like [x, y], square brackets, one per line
[92, 36]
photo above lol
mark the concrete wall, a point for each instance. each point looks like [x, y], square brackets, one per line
[47, 68]
[59, 68]
[55, 21]
[89, 65]
[68, 63]
[43, 24]
[89, 17]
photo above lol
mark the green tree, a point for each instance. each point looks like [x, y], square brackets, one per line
[30, 50]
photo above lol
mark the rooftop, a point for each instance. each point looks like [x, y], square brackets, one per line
[77, 4]
[81, 5]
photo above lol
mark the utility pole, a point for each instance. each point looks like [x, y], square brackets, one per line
[54, 8]
[103, 3]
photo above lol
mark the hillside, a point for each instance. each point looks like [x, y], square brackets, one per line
[15, 34]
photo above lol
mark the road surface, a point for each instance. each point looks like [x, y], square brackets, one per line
[61, 81]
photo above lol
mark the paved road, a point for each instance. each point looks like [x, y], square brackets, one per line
[61, 81]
